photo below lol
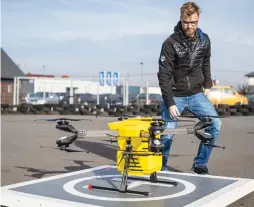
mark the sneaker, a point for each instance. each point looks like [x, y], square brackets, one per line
[200, 171]
[164, 168]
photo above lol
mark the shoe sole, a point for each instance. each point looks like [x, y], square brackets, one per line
[198, 173]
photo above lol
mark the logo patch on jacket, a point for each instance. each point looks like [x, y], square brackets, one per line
[180, 50]
[163, 58]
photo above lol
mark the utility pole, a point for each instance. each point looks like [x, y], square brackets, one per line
[141, 65]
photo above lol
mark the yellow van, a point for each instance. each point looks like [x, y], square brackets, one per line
[226, 95]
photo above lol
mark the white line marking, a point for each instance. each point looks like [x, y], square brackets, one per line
[17, 199]
[227, 195]
[69, 187]
[54, 177]
[196, 175]
[224, 196]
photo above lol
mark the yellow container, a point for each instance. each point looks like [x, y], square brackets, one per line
[140, 165]
[144, 162]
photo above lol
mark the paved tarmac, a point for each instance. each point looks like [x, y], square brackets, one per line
[28, 150]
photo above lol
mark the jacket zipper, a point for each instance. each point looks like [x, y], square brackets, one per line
[188, 83]
[191, 63]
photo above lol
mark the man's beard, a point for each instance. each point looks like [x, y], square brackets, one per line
[189, 32]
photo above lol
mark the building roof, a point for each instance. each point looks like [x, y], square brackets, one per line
[40, 75]
[8, 68]
[250, 74]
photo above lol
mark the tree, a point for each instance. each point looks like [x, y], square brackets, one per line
[243, 89]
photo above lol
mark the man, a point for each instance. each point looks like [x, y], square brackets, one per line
[185, 79]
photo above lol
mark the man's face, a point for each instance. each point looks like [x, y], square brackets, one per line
[190, 24]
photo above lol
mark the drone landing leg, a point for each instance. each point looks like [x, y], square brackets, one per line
[154, 179]
[123, 188]
[212, 145]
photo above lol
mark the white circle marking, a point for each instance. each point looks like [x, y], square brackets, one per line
[69, 187]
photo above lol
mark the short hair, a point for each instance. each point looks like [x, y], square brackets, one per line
[189, 8]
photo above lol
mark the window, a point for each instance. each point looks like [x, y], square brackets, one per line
[142, 96]
[155, 96]
[215, 92]
[9, 87]
[228, 92]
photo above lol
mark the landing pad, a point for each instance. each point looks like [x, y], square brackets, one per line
[71, 189]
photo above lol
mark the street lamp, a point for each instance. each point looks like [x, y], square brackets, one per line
[141, 65]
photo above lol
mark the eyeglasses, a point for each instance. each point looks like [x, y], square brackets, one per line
[193, 23]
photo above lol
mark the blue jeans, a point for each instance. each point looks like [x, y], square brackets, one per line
[200, 105]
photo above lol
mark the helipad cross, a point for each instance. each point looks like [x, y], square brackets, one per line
[134, 184]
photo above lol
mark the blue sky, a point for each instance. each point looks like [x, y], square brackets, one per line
[83, 37]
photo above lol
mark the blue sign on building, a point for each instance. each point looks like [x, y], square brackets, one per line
[109, 78]
[102, 78]
[116, 78]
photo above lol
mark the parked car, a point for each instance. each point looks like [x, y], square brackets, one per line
[61, 96]
[226, 95]
[113, 99]
[38, 98]
[250, 98]
[77, 98]
[24, 97]
[153, 98]
[87, 98]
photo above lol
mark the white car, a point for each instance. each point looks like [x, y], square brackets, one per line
[40, 98]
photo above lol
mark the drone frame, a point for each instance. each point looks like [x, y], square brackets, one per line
[155, 129]
[128, 155]
[63, 124]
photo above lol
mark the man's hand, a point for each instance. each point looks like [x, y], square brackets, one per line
[206, 92]
[173, 110]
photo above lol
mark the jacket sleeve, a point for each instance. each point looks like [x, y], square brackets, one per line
[206, 69]
[165, 73]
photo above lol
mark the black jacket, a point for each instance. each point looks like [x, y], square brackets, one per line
[184, 65]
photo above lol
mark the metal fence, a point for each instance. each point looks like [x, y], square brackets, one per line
[80, 90]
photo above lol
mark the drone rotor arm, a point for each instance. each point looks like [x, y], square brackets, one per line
[101, 133]
[183, 131]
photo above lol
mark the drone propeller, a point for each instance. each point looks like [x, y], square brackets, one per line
[194, 115]
[131, 116]
[164, 120]
[111, 135]
[199, 117]
[126, 116]
[62, 119]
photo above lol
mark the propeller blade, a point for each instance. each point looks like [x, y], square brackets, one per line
[194, 115]
[111, 135]
[173, 120]
[47, 119]
[204, 116]
[62, 119]
[79, 119]
[131, 116]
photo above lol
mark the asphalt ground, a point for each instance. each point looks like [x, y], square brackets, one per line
[28, 150]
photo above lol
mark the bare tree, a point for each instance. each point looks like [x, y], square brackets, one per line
[243, 89]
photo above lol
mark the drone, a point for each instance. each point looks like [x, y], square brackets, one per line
[63, 124]
[140, 148]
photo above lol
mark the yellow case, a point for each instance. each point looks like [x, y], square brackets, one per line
[132, 128]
